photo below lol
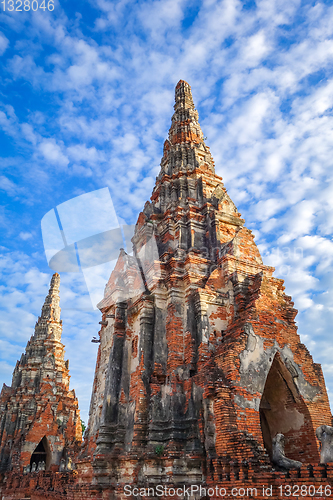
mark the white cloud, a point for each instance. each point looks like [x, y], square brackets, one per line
[299, 220]
[126, 143]
[25, 235]
[266, 209]
[161, 15]
[53, 152]
[4, 42]
[80, 152]
[255, 48]
[9, 186]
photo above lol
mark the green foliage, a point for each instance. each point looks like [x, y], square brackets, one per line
[83, 425]
[159, 450]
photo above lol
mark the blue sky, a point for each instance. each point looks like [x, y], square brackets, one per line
[86, 99]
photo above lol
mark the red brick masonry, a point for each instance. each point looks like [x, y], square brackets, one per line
[200, 364]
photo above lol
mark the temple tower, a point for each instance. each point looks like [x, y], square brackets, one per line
[199, 362]
[40, 419]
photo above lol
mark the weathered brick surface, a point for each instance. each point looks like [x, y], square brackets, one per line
[206, 365]
[38, 485]
[199, 364]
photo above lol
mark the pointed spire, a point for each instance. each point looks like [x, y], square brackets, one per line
[185, 128]
[187, 177]
[51, 309]
[44, 347]
[183, 96]
[185, 152]
[49, 320]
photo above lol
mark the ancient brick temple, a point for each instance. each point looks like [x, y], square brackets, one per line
[200, 369]
[202, 366]
[39, 416]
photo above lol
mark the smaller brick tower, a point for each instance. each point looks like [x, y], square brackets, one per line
[40, 419]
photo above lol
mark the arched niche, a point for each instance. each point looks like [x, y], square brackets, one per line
[283, 410]
[42, 453]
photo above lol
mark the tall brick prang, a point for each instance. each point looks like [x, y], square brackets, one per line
[202, 367]
[40, 419]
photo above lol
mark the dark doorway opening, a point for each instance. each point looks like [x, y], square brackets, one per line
[283, 410]
[41, 453]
